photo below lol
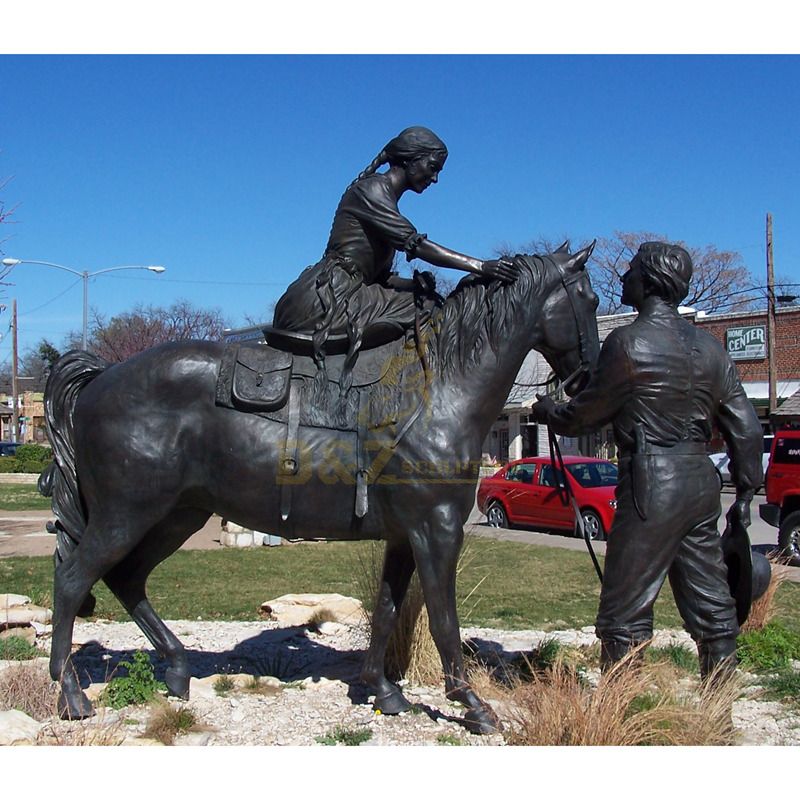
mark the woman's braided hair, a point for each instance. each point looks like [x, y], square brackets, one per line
[406, 146]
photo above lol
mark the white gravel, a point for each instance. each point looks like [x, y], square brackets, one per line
[321, 692]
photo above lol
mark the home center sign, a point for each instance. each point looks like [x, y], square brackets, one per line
[746, 342]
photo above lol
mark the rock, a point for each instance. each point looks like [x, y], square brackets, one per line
[300, 609]
[42, 630]
[204, 687]
[140, 741]
[193, 739]
[237, 539]
[26, 632]
[8, 600]
[330, 628]
[24, 615]
[94, 690]
[18, 728]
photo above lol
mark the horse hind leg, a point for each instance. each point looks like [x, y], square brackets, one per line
[73, 580]
[127, 580]
[398, 567]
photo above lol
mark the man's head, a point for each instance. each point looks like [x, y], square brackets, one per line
[659, 269]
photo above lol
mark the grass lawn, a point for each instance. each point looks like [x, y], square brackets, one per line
[500, 585]
[22, 497]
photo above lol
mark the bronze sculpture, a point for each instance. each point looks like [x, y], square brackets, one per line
[352, 291]
[664, 383]
[146, 450]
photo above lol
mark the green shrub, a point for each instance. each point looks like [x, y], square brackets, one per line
[32, 458]
[136, 688]
[15, 648]
[34, 452]
[784, 686]
[675, 654]
[345, 736]
[8, 464]
[768, 649]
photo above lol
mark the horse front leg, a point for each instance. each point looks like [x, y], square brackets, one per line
[398, 567]
[436, 549]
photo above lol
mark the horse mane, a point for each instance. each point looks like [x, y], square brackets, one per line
[479, 313]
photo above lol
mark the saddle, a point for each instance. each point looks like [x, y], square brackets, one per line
[287, 386]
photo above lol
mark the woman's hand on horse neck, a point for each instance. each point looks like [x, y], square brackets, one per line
[441, 256]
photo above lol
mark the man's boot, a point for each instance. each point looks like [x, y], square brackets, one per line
[717, 665]
[717, 659]
[614, 650]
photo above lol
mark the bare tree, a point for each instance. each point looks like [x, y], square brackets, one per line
[127, 334]
[540, 246]
[5, 219]
[721, 281]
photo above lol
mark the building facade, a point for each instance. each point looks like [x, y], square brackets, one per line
[744, 336]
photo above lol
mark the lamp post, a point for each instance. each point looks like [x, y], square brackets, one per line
[84, 275]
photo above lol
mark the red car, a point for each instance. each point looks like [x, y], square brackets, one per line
[525, 493]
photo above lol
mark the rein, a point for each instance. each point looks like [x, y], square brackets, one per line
[567, 497]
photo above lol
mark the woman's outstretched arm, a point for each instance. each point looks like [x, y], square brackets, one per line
[441, 256]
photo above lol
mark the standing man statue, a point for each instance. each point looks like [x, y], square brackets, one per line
[663, 384]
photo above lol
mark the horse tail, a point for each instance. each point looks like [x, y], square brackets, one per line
[69, 375]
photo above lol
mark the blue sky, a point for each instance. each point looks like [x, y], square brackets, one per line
[227, 169]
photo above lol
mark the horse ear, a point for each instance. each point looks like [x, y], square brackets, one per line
[564, 248]
[581, 257]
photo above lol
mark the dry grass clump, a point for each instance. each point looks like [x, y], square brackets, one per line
[261, 687]
[166, 721]
[764, 609]
[93, 732]
[27, 687]
[411, 652]
[632, 704]
[320, 616]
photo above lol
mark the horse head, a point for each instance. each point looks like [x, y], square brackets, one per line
[566, 329]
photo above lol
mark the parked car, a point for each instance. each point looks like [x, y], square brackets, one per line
[782, 509]
[525, 493]
[8, 448]
[722, 462]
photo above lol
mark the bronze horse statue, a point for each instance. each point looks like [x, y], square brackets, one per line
[144, 456]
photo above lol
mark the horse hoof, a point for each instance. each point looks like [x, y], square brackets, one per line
[392, 703]
[177, 681]
[74, 706]
[482, 721]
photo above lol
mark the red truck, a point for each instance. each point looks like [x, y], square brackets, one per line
[782, 509]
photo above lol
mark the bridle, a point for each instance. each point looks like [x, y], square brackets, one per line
[568, 281]
[585, 336]
[565, 493]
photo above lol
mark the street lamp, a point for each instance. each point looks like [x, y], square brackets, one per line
[84, 275]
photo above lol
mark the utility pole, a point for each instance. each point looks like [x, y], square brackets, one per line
[14, 387]
[773, 399]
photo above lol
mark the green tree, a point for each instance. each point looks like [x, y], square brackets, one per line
[36, 363]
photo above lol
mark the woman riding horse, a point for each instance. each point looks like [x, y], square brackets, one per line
[352, 290]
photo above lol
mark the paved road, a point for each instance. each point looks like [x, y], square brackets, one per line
[22, 533]
[760, 532]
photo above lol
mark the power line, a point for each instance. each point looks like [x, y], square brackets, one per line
[52, 300]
